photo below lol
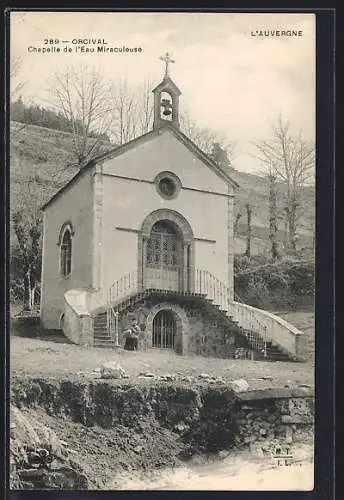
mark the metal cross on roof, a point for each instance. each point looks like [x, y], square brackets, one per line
[167, 60]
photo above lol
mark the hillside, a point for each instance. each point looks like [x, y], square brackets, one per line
[44, 155]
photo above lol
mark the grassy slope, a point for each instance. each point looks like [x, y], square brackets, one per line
[45, 152]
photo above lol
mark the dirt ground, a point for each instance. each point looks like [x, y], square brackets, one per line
[35, 355]
[104, 453]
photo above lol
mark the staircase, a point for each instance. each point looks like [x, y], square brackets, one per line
[101, 334]
[211, 297]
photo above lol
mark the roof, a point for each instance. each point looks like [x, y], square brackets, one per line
[118, 150]
[167, 83]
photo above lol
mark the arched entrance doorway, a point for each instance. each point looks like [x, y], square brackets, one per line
[164, 260]
[164, 330]
[166, 252]
[167, 326]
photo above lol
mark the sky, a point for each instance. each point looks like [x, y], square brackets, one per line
[231, 80]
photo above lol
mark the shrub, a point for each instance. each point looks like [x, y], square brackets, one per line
[270, 285]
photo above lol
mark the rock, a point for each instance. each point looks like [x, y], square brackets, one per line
[220, 380]
[265, 425]
[111, 370]
[167, 376]
[146, 374]
[296, 419]
[263, 432]
[181, 427]
[223, 454]
[204, 375]
[240, 385]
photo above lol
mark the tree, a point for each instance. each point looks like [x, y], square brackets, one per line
[145, 106]
[16, 84]
[249, 230]
[83, 97]
[27, 227]
[124, 112]
[209, 141]
[220, 156]
[133, 110]
[27, 255]
[236, 224]
[273, 215]
[292, 160]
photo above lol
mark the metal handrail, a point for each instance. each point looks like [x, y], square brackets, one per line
[123, 287]
[204, 283]
[218, 292]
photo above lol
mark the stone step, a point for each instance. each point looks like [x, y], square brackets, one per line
[102, 335]
[103, 343]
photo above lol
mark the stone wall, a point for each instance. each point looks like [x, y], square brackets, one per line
[207, 417]
[77, 322]
[199, 331]
[270, 417]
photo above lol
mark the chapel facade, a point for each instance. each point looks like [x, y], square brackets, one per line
[145, 231]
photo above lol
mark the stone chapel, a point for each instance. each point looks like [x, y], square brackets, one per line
[145, 231]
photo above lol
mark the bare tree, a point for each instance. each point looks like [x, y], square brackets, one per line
[249, 229]
[273, 215]
[292, 160]
[124, 104]
[204, 138]
[133, 110]
[82, 95]
[145, 106]
[27, 228]
[16, 84]
[236, 224]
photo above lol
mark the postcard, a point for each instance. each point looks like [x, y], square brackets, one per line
[162, 267]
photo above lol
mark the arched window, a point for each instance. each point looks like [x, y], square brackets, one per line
[66, 253]
[163, 246]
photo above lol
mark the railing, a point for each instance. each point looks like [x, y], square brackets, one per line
[123, 287]
[112, 324]
[214, 289]
[259, 326]
[274, 329]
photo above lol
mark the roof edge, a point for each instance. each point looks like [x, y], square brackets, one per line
[203, 156]
[118, 150]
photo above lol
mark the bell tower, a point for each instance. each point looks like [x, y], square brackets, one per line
[166, 99]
